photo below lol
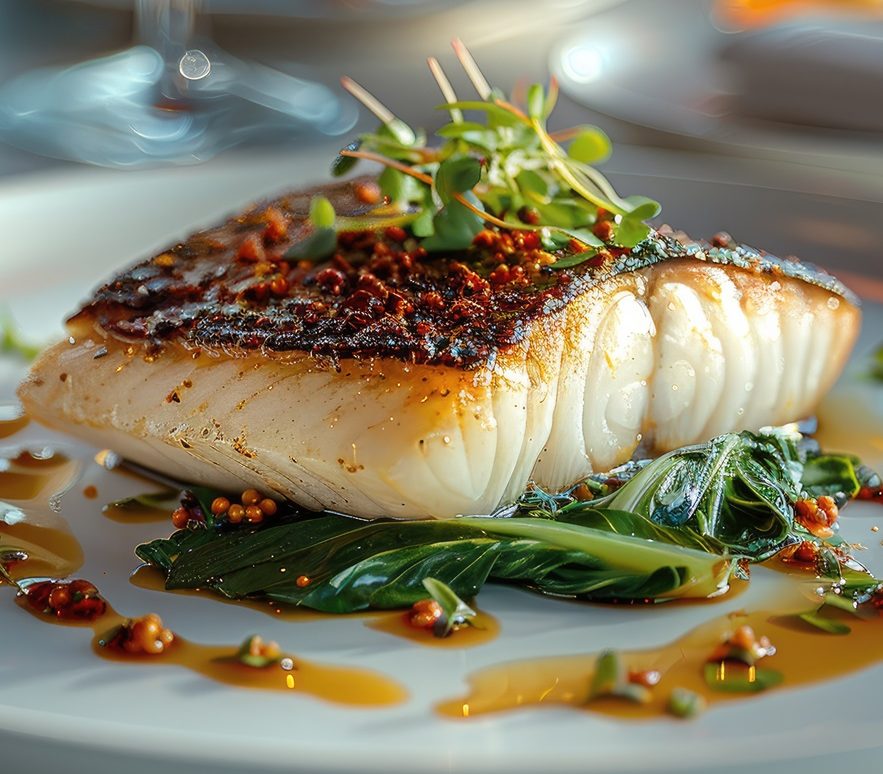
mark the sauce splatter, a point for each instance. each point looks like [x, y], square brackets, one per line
[136, 513]
[12, 419]
[851, 419]
[30, 485]
[803, 655]
[485, 629]
[340, 685]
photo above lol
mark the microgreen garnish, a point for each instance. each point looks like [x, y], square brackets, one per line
[455, 612]
[611, 681]
[503, 169]
[322, 240]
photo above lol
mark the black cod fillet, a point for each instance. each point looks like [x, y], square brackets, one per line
[386, 381]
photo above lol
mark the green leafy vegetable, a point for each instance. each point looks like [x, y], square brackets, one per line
[738, 488]
[816, 619]
[677, 526]
[455, 612]
[845, 600]
[354, 565]
[320, 244]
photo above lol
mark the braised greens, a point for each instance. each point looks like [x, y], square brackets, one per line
[677, 526]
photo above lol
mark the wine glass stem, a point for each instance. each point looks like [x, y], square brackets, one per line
[167, 26]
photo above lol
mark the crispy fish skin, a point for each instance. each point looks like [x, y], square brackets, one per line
[447, 392]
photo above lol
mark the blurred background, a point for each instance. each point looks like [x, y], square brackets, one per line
[125, 124]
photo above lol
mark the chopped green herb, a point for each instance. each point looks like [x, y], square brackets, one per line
[730, 677]
[610, 680]
[683, 703]
[256, 653]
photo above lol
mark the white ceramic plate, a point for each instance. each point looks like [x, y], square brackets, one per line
[61, 708]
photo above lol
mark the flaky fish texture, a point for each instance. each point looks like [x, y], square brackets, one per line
[386, 382]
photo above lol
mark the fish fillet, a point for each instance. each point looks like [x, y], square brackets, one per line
[388, 382]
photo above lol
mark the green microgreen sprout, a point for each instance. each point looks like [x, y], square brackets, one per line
[506, 170]
[322, 239]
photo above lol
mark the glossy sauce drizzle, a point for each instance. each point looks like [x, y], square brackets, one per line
[136, 514]
[30, 484]
[12, 419]
[340, 685]
[804, 655]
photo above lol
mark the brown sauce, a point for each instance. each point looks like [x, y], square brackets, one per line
[804, 655]
[51, 553]
[486, 628]
[851, 420]
[12, 419]
[136, 513]
[339, 685]
[29, 487]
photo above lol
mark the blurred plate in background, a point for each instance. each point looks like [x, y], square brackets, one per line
[666, 66]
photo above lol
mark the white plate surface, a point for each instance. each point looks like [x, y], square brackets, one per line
[63, 709]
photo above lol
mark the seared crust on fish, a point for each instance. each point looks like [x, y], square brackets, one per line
[390, 382]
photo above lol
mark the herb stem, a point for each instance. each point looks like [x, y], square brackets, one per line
[445, 87]
[473, 73]
[383, 113]
[368, 156]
